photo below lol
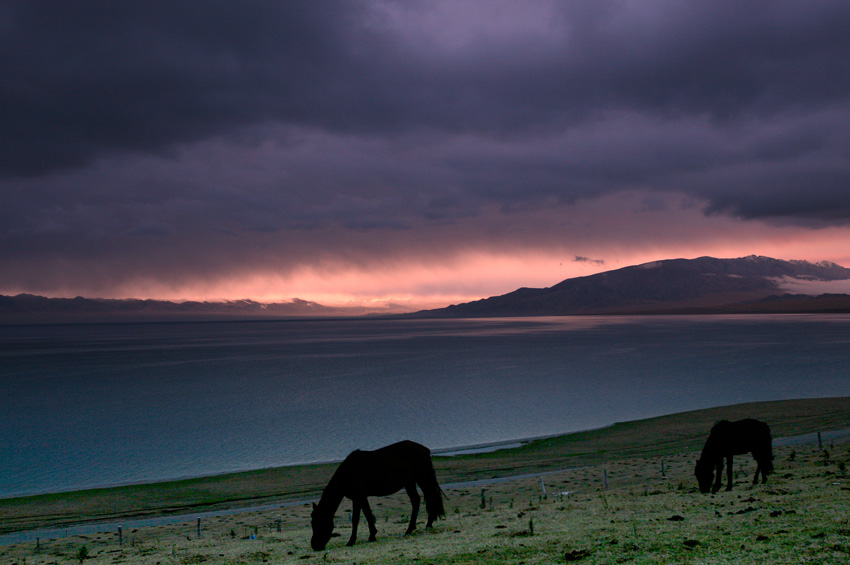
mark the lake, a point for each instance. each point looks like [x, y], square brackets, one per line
[92, 405]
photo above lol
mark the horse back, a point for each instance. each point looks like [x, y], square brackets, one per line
[383, 471]
[737, 438]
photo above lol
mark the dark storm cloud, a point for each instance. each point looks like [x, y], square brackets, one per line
[83, 79]
[128, 122]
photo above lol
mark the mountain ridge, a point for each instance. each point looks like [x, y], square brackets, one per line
[701, 285]
[705, 285]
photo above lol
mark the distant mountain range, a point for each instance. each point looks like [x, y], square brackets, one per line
[705, 285]
[28, 308]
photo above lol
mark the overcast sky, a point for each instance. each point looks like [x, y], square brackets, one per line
[412, 151]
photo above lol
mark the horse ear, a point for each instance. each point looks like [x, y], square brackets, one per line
[314, 506]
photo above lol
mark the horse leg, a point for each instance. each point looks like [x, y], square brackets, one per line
[370, 519]
[729, 479]
[430, 522]
[763, 461]
[414, 503]
[718, 475]
[356, 503]
[759, 470]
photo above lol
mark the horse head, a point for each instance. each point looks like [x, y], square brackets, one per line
[705, 475]
[323, 527]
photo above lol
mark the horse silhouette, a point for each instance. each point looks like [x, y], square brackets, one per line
[382, 472]
[734, 438]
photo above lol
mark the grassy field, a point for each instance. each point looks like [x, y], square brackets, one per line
[801, 516]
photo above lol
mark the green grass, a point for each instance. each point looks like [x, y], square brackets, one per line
[655, 437]
[802, 515]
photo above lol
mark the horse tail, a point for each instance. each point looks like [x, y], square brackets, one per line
[432, 491]
[765, 449]
[768, 464]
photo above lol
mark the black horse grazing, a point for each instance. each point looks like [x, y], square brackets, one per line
[734, 438]
[381, 472]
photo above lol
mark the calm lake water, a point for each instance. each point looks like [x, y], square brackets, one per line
[94, 405]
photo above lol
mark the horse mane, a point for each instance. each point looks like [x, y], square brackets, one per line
[712, 447]
[718, 425]
[333, 494]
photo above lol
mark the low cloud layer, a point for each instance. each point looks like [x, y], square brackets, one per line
[170, 142]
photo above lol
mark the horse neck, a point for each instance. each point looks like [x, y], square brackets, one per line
[332, 496]
[712, 450]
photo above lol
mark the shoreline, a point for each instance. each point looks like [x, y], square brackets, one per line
[623, 510]
[26, 536]
[654, 437]
[472, 449]
[487, 447]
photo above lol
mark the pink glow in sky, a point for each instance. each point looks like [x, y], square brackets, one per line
[581, 239]
[417, 153]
